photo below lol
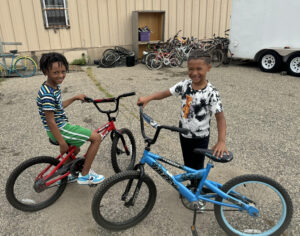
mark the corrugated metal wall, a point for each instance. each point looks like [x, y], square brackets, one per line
[100, 23]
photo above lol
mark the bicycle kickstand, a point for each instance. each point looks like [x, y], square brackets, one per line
[193, 227]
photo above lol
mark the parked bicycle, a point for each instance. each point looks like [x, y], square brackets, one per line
[23, 66]
[245, 205]
[40, 181]
[112, 57]
[156, 60]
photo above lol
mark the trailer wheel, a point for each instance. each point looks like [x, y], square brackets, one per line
[270, 61]
[293, 64]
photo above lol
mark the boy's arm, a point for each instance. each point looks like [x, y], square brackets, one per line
[55, 131]
[154, 96]
[220, 147]
[71, 100]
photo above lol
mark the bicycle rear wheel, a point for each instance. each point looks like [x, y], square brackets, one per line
[20, 190]
[25, 67]
[111, 206]
[269, 197]
[120, 159]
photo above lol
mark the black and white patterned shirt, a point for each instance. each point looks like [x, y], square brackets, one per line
[197, 107]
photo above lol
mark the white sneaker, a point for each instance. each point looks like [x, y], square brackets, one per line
[90, 178]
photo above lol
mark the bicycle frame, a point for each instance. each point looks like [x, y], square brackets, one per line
[175, 180]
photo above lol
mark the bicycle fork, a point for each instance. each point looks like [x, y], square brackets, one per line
[124, 144]
[131, 201]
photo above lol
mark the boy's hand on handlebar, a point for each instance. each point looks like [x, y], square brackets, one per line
[219, 149]
[142, 101]
[80, 97]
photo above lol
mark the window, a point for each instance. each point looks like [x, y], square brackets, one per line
[55, 13]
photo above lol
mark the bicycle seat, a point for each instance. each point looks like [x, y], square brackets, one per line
[13, 51]
[53, 142]
[209, 154]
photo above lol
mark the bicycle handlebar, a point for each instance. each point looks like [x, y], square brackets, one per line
[158, 127]
[127, 95]
[105, 100]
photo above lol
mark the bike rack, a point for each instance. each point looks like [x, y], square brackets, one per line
[2, 54]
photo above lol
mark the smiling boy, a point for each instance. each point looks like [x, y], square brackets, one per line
[199, 101]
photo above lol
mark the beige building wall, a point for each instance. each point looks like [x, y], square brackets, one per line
[97, 24]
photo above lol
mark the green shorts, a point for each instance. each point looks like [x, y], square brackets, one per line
[73, 134]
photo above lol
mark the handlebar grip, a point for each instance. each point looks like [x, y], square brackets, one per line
[181, 130]
[176, 129]
[88, 99]
[127, 94]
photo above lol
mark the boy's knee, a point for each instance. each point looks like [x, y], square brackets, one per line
[95, 137]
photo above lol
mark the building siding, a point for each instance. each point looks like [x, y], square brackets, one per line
[105, 23]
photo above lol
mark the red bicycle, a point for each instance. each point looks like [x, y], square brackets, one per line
[38, 182]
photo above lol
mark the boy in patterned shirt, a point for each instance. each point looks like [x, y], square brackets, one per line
[51, 109]
[199, 101]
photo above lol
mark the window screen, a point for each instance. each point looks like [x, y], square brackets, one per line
[55, 13]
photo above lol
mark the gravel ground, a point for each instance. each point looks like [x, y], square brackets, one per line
[262, 114]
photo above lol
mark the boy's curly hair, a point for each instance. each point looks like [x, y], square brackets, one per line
[199, 54]
[48, 59]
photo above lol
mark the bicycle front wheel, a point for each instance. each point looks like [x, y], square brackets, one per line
[269, 197]
[20, 190]
[25, 67]
[112, 207]
[123, 154]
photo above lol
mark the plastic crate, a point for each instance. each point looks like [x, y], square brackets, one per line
[144, 36]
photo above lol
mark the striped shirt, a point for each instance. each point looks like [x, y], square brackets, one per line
[49, 99]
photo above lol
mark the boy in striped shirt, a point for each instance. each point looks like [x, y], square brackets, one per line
[51, 110]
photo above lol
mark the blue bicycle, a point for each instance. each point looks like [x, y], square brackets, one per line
[245, 205]
[23, 66]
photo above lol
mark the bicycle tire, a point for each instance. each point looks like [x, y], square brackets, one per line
[106, 202]
[217, 57]
[109, 58]
[25, 66]
[120, 160]
[176, 60]
[29, 202]
[148, 60]
[154, 61]
[240, 222]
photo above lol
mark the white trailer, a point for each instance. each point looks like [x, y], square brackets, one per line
[267, 31]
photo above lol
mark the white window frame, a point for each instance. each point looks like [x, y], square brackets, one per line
[53, 7]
